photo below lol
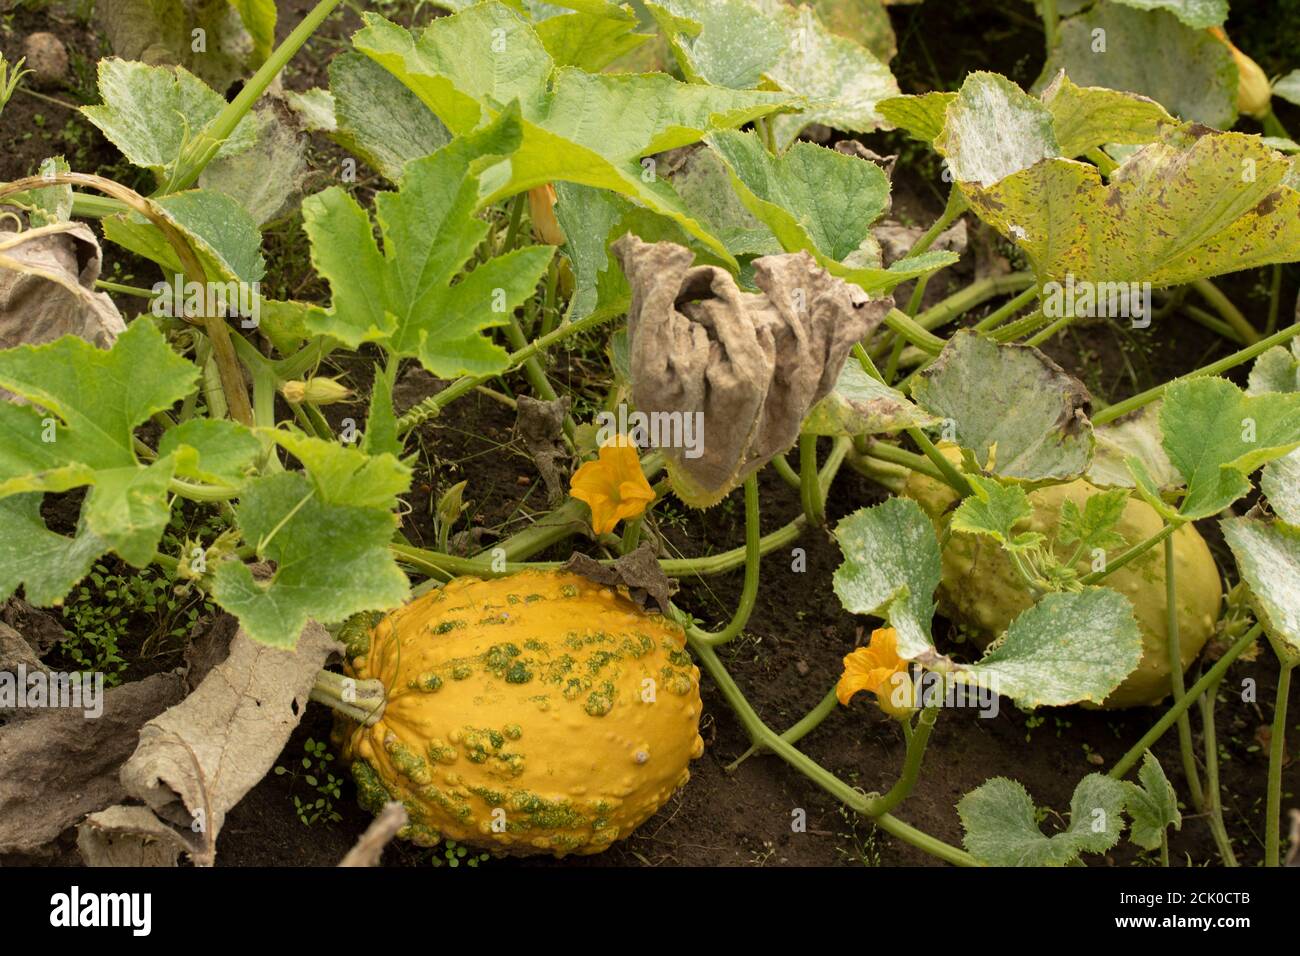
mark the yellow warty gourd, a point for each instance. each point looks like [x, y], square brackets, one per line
[535, 713]
[981, 590]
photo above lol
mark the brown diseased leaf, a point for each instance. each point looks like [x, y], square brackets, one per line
[639, 572]
[752, 364]
[541, 426]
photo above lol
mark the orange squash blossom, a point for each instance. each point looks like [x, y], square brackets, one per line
[613, 486]
[874, 668]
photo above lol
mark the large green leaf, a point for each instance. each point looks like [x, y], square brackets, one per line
[1216, 435]
[467, 67]
[589, 34]
[863, 21]
[890, 569]
[1067, 648]
[1012, 398]
[1084, 117]
[151, 112]
[378, 118]
[820, 201]
[1195, 204]
[327, 530]
[1268, 556]
[921, 115]
[45, 564]
[1002, 826]
[404, 295]
[222, 233]
[1184, 69]
[92, 400]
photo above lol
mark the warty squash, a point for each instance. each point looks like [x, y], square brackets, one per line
[535, 713]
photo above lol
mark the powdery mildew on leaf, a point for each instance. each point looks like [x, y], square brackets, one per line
[1268, 555]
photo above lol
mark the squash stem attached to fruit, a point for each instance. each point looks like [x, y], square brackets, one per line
[1214, 674]
[361, 700]
[1276, 754]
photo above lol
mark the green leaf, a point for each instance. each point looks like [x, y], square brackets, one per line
[404, 296]
[864, 21]
[327, 532]
[1278, 370]
[731, 43]
[1216, 435]
[1084, 117]
[921, 116]
[216, 451]
[705, 185]
[1153, 805]
[221, 231]
[1288, 87]
[1001, 828]
[590, 36]
[46, 565]
[378, 118]
[993, 129]
[1268, 556]
[819, 201]
[994, 509]
[381, 435]
[93, 401]
[48, 204]
[891, 568]
[468, 66]
[1067, 648]
[1195, 204]
[151, 112]
[1094, 526]
[1194, 13]
[1186, 70]
[861, 405]
[1014, 398]
[259, 21]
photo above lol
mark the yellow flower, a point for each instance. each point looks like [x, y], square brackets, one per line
[878, 668]
[612, 486]
[1254, 93]
[541, 206]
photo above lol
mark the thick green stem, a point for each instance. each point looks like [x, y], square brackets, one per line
[1213, 794]
[201, 151]
[977, 293]
[916, 744]
[797, 731]
[1051, 24]
[1229, 312]
[909, 329]
[1136, 551]
[1212, 676]
[1276, 754]
[1007, 309]
[951, 476]
[749, 592]
[1120, 409]
[362, 700]
[814, 507]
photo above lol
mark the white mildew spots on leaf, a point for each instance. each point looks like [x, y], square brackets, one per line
[993, 129]
[1067, 648]
[891, 569]
[1012, 397]
[1268, 555]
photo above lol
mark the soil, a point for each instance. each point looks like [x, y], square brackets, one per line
[789, 655]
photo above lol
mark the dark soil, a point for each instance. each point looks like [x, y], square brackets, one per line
[790, 653]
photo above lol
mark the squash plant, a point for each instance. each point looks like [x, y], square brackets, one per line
[1092, 576]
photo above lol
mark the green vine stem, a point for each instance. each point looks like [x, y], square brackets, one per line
[223, 350]
[1276, 754]
[196, 156]
[805, 725]
[1213, 793]
[975, 294]
[1007, 309]
[1176, 677]
[1229, 312]
[1051, 24]
[810, 493]
[783, 469]
[1136, 551]
[1120, 409]
[749, 591]
[432, 406]
[1214, 674]
[916, 744]
[855, 800]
